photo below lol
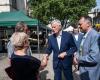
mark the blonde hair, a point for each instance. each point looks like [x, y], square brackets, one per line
[18, 39]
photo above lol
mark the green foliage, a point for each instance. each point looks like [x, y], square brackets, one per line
[44, 10]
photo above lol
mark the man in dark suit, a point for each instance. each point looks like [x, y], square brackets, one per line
[77, 37]
[63, 47]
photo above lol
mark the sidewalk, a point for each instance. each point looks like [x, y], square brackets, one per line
[3, 64]
[47, 73]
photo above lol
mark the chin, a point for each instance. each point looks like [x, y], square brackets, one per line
[54, 32]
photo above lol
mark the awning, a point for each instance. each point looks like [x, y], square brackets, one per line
[11, 18]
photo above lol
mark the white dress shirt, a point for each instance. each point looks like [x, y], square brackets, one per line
[76, 37]
[59, 39]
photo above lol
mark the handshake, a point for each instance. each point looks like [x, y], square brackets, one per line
[44, 62]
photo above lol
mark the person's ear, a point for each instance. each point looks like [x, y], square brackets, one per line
[26, 43]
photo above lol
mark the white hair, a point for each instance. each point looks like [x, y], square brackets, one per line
[56, 21]
[18, 39]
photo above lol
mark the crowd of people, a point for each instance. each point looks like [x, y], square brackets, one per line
[80, 48]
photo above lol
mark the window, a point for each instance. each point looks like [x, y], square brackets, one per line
[14, 4]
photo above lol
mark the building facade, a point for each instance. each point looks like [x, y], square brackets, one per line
[13, 5]
[9, 6]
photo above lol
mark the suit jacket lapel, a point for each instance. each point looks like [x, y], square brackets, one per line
[87, 36]
[62, 40]
[55, 42]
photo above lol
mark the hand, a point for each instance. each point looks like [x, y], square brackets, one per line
[62, 55]
[75, 61]
[44, 62]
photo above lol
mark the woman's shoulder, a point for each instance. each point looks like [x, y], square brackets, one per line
[26, 58]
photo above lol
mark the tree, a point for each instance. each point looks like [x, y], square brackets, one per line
[45, 10]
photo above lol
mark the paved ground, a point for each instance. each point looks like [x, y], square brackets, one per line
[45, 74]
[3, 64]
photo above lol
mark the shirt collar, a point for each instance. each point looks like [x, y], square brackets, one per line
[87, 33]
[60, 33]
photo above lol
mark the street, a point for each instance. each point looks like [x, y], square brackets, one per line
[46, 74]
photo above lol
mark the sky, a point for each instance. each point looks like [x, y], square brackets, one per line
[98, 3]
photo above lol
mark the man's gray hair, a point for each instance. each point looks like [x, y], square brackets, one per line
[56, 21]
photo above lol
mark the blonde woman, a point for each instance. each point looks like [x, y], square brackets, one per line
[25, 67]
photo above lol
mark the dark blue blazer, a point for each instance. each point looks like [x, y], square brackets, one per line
[78, 42]
[67, 45]
[99, 41]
